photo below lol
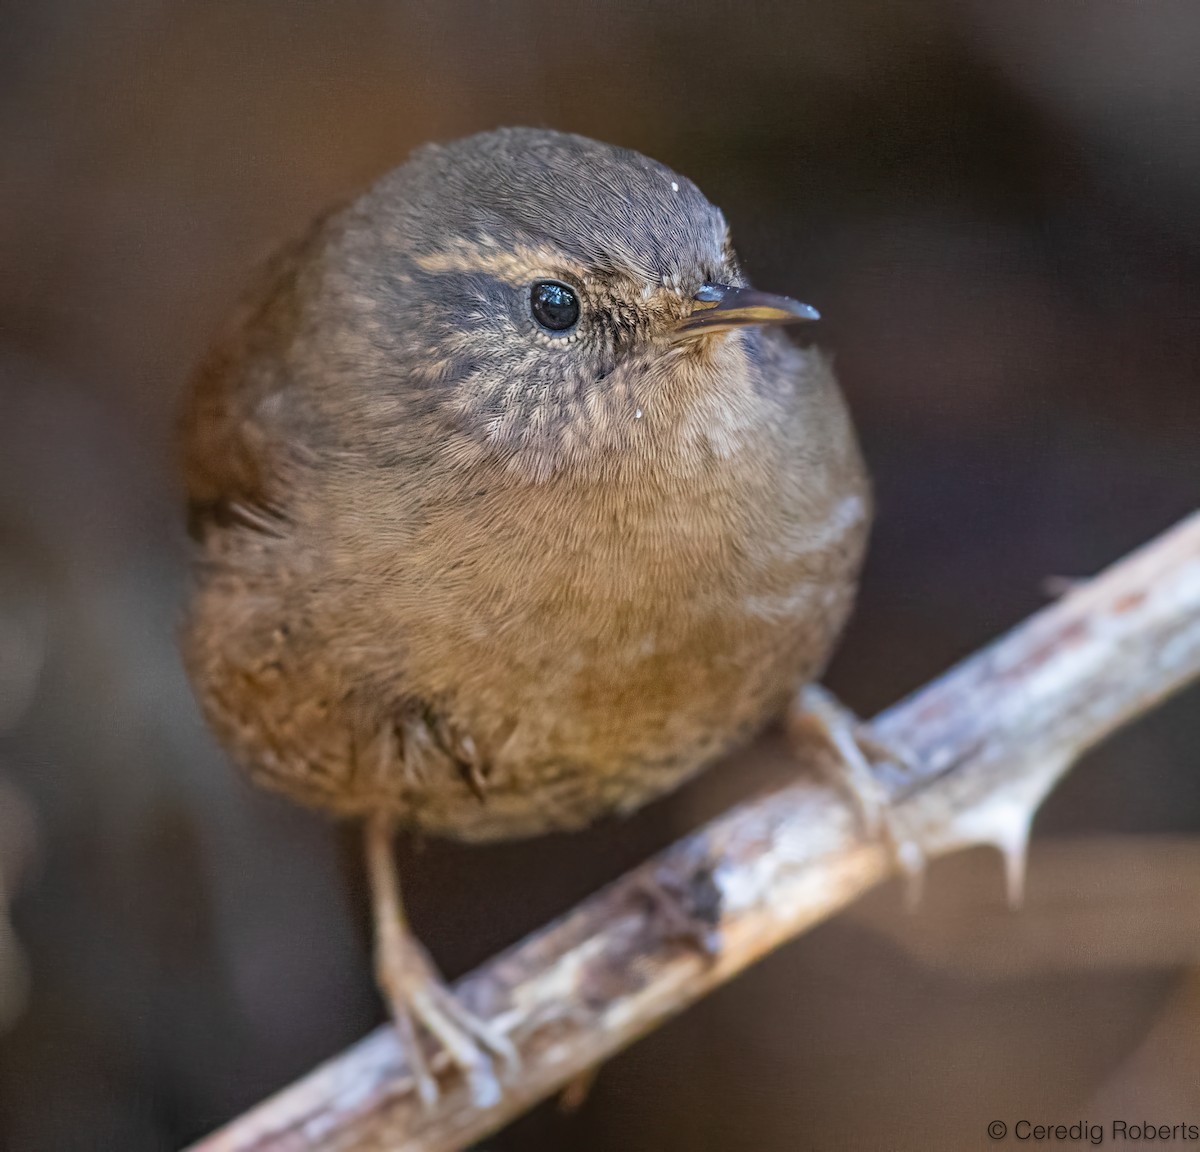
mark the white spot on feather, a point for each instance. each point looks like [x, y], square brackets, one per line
[674, 186]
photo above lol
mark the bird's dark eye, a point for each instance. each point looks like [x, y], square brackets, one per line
[555, 306]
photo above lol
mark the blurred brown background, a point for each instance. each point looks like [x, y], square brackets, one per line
[997, 208]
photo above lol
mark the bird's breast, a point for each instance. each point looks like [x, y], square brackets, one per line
[621, 635]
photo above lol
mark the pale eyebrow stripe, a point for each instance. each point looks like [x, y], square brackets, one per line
[514, 266]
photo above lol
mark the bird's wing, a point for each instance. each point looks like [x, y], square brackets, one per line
[233, 425]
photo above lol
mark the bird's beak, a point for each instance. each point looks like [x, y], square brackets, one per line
[720, 307]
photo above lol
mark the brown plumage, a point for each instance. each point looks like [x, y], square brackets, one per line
[466, 571]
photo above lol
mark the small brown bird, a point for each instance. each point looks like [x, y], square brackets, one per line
[514, 508]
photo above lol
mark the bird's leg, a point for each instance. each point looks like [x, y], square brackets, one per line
[417, 995]
[816, 711]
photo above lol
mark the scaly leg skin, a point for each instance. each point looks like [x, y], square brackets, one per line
[815, 710]
[417, 995]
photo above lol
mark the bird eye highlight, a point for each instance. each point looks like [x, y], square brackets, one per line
[555, 306]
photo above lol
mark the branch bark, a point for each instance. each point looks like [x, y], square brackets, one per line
[989, 739]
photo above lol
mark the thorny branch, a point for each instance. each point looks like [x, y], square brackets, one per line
[990, 738]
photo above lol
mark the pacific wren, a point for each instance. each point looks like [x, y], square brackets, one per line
[514, 507]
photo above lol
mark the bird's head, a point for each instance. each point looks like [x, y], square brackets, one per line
[553, 301]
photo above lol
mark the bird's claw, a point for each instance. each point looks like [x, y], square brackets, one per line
[818, 712]
[685, 908]
[417, 995]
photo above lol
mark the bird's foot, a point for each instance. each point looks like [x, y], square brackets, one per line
[685, 906]
[817, 712]
[417, 995]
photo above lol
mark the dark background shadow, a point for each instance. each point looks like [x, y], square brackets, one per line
[996, 206]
